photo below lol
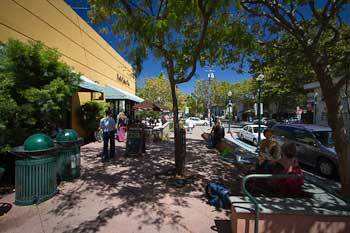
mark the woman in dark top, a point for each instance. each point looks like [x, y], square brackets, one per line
[218, 132]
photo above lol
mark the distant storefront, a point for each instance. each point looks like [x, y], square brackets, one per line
[317, 105]
[106, 75]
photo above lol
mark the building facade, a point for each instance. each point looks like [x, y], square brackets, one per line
[107, 76]
[316, 104]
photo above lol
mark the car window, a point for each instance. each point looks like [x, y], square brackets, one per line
[261, 129]
[303, 136]
[245, 128]
[282, 131]
[325, 137]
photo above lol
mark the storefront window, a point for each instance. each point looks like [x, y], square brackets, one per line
[121, 105]
[128, 107]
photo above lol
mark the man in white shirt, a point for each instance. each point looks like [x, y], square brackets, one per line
[107, 124]
[190, 125]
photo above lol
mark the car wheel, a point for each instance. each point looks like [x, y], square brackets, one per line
[326, 167]
[205, 124]
[255, 142]
[241, 137]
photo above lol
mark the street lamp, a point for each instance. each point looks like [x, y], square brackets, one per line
[259, 79]
[315, 108]
[210, 77]
[229, 110]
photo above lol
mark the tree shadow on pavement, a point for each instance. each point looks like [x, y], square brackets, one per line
[136, 184]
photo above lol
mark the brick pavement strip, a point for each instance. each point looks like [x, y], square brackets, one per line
[125, 195]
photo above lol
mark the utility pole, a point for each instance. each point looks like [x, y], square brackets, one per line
[210, 77]
[259, 79]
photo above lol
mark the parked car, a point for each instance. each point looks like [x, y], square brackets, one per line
[198, 121]
[291, 120]
[263, 121]
[250, 133]
[271, 123]
[315, 145]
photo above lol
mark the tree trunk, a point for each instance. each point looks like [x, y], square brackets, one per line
[179, 153]
[336, 122]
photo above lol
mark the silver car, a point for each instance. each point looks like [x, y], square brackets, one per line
[251, 133]
[315, 145]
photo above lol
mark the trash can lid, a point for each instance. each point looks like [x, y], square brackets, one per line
[38, 141]
[67, 135]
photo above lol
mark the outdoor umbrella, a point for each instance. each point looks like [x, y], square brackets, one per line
[147, 106]
[163, 109]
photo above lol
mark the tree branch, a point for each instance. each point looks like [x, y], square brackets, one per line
[334, 38]
[160, 8]
[291, 16]
[275, 16]
[345, 80]
[199, 46]
[313, 9]
[128, 5]
[300, 14]
[294, 28]
[325, 19]
[150, 7]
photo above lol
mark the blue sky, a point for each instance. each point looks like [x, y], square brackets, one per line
[152, 67]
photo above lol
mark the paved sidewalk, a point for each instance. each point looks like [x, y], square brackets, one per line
[131, 194]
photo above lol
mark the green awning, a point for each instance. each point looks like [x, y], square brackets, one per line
[90, 85]
[118, 94]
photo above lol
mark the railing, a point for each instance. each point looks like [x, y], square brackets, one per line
[253, 199]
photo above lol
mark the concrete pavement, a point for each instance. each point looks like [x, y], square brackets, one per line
[132, 194]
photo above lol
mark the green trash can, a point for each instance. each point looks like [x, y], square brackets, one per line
[68, 161]
[35, 170]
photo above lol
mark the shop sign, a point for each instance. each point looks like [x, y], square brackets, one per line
[123, 80]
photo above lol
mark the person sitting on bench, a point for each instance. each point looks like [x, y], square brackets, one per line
[270, 152]
[218, 132]
[288, 164]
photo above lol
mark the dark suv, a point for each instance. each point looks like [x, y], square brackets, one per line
[315, 145]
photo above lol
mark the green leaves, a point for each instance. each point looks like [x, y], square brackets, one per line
[180, 31]
[158, 90]
[35, 88]
[91, 113]
[286, 71]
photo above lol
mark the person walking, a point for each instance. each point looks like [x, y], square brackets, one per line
[190, 125]
[107, 124]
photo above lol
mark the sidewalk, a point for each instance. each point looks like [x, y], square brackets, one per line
[127, 195]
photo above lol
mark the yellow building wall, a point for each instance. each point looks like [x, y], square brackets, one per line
[55, 24]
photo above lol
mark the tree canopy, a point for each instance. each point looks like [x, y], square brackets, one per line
[320, 33]
[286, 71]
[158, 90]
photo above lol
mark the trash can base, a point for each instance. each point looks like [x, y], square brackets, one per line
[32, 202]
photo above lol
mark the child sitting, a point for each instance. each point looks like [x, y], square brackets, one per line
[288, 164]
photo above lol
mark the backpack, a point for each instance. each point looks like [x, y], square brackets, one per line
[218, 195]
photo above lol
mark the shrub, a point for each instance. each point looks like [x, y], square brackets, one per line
[90, 115]
[35, 88]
